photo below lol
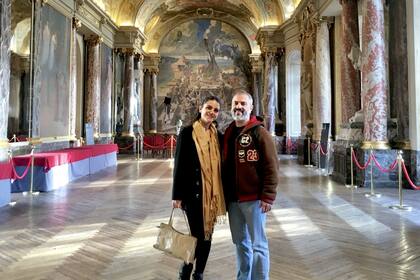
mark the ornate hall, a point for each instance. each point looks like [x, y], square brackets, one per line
[94, 94]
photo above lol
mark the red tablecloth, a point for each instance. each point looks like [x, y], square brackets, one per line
[5, 170]
[54, 158]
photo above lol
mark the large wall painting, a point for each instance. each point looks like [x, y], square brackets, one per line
[200, 58]
[52, 71]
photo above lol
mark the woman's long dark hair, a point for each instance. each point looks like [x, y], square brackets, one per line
[204, 101]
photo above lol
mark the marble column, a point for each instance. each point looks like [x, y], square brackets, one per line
[413, 49]
[269, 99]
[147, 99]
[322, 92]
[153, 101]
[128, 93]
[35, 92]
[5, 37]
[73, 77]
[256, 90]
[92, 97]
[257, 66]
[350, 60]
[398, 70]
[374, 83]
[140, 91]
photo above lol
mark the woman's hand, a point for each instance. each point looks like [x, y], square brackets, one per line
[176, 203]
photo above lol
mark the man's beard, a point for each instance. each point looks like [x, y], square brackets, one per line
[243, 117]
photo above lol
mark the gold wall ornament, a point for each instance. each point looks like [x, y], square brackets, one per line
[94, 40]
[204, 12]
[77, 23]
[43, 2]
[375, 145]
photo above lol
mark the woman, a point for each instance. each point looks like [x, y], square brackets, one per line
[197, 186]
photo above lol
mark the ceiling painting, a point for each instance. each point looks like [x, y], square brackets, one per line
[152, 17]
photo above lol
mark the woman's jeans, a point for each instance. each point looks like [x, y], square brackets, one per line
[247, 225]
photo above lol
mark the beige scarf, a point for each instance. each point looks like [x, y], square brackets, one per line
[207, 144]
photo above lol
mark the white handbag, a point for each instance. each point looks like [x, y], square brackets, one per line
[175, 243]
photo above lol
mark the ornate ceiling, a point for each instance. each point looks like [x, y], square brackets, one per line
[157, 17]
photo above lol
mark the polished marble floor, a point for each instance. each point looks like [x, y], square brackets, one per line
[103, 227]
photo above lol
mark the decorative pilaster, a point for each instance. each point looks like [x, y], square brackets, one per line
[73, 77]
[350, 60]
[307, 27]
[139, 77]
[270, 40]
[322, 93]
[128, 92]
[5, 37]
[374, 83]
[147, 81]
[398, 70]
[257, 67]
[154, 96]
[269, 99]
[151, 64]
[92, 97]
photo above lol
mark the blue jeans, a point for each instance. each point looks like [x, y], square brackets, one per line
[247, 225]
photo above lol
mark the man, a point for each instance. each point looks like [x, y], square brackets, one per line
[250, 181]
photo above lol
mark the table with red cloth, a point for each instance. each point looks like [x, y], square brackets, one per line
[54, 169]
[5, 175]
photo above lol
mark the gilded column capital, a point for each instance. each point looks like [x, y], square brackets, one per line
[256, 62]
[128, 51]
[76, 23]
[139, 56]
[151, 63]
[94, 40]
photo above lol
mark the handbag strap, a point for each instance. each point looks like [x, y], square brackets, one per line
[185, 218]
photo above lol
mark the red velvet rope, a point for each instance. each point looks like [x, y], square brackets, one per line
[408, 177]
[124, 148]
[353, 155]
[24, 172]
[391, 167]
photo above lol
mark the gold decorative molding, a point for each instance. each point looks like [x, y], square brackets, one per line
[43, 2]
[204, 12]
[375, 145]
[257, 63]
[270, 38]
[151, 63]
[94, 40]
[130, 37]
[77, 23]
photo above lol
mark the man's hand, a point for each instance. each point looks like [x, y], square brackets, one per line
[265, 207]
[176, 203]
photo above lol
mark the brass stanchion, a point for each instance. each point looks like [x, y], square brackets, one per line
[141, 146]
[319, 154]
[9, 152]
[401, 206]
[31, 182]
[309, 153]
[352, 185]
[137, 141]
[372, 190]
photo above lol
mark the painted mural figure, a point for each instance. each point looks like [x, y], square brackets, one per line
[200, 58]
